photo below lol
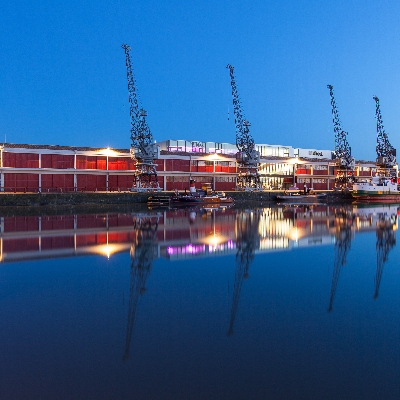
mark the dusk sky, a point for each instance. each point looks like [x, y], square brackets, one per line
[63, 74]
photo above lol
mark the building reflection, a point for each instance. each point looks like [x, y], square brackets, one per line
[191, 233]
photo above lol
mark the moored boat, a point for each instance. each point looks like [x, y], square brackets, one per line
[158, 201]
[181, 199]
[191, 198]
[379, 189]
[203, 196]
[302, 198]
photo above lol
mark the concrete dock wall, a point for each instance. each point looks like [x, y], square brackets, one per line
[82, 198]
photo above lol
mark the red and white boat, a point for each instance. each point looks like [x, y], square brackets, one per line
[378, 189]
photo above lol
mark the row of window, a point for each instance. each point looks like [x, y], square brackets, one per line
[367, 169]
[308, 180]
[58, 161]
[205, 179]
[225, 179]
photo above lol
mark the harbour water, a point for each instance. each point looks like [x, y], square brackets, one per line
[278, 302]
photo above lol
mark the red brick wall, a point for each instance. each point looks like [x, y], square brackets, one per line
[88, 182]
[57, 161]
[121, 164]
[91, 162]
[21, 182]
[20, 160]
[177, 165]
[57, 182]
[121, 182]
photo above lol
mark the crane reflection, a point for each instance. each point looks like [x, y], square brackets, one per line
[188, 233]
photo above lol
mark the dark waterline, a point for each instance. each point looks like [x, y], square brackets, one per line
[274, 303]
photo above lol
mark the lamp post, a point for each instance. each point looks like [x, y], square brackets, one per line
[190, 166]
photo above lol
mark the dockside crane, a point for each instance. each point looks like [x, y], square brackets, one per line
[143, 149]
[142, 253]
[385, 241]
[345, 163]
[386, 153]
[247, 241]
[343, 238]
[247, 157]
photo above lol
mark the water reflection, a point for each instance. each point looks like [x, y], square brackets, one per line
[362, 217]
[280, 260]
[192, 233]
[247, 241]
[385, 221]
[343, 233]
[385, 241]
[142, 252]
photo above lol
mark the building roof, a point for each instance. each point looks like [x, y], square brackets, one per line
[162, 152]
[56, 147]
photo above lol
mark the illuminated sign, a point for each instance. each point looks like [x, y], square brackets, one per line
[315, 153]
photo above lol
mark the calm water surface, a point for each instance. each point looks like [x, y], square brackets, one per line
[281, 302]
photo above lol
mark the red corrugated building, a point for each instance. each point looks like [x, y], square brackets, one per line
[50, 168]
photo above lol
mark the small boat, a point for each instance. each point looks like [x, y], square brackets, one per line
[378, 189]
[158, 201]
[194, 198]
[204, 196]
[297, 197]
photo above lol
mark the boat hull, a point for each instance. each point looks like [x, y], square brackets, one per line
[302, 198]
[189, 200]
[376, 197]
[380, 189]
[201, 200]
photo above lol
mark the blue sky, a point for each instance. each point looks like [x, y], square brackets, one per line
[63, 78]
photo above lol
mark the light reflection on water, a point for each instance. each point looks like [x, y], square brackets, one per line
[276, 302]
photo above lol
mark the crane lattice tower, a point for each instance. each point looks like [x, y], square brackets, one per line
[247, 157]
[143, 149]
[345, 163]
[385, 152]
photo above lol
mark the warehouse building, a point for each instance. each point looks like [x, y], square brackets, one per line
[53, 168]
